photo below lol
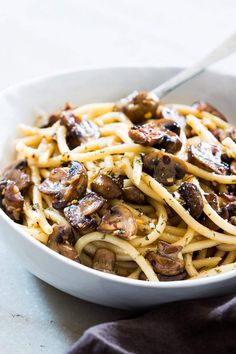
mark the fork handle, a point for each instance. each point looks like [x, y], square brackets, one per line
[222, 51]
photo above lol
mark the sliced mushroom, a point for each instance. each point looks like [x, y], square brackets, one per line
[106, 187]
[171, 114]
[153, 134]
[169, 124]
[65, 184]
[192, 197]
[133, 195]
[166, 260]
[213, 200]
[233, 167]
[79, 215]
[229, 212]
[180, 276]
[147, 134]
[12, 200]
[166, 169]
[84, 224]
[17, 173]
[104, 260]
[91, 203]
[138, 106]
[48, 122]
[61, 241]
[120, 222]
[208, 157]
[78, 131]
[228, 197]
[207, 107]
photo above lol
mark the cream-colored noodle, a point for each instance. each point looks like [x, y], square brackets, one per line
[134, 254]
[161, 218]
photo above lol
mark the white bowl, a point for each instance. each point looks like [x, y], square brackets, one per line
[22, 102]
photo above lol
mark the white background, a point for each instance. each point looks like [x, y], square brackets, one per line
[44, 37]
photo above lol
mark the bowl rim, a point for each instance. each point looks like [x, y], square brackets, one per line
[111, 277]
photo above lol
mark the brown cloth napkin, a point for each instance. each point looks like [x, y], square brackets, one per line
[198, 326]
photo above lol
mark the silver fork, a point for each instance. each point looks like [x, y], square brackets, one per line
[222, 51]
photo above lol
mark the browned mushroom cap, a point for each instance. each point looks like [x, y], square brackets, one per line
[221, 134]
[138, 106]
[171, 113]
[133, 195]
[91, 203]
[147, 134]
[208, 157]
[180, 276]
[65, 184]
[192, 197]
[153, 134]
[165, 169]
[207, 107]
[106, 187]
[228, 197]
[12, 200]
[233, 167]
[18, 174]
[120, 222]
[213, 200]
[61, 241]
[104, 260]
[78, 215]
[228, 212]
[166, 261]
[177, 277]
[84, 224]
[78, 131]
[169, 124]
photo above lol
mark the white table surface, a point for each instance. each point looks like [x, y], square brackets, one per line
[44, 37]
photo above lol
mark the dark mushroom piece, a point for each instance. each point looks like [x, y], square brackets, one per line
[169, 124]
[106, 187]
[153, 134]
[133, 195]
[207, 107]
[65, 184]
[120, 222]
[79, 215]
[62, 240]
[84, 224]
[12, 200]
[228, 212]
[166, 261]
[221, 134]
[171, 113]
[104, 260]
[177, 277]
[78, 131]
[165, 169]
[18, 174]
[138, 106]
[213, 200]
[207, 157]
[192, 197]
[233, 167]
[91, 203]
[228, 197]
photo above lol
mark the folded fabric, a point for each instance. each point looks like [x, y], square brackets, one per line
[198, 326]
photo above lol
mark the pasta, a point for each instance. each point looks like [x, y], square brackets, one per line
[135, 188]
